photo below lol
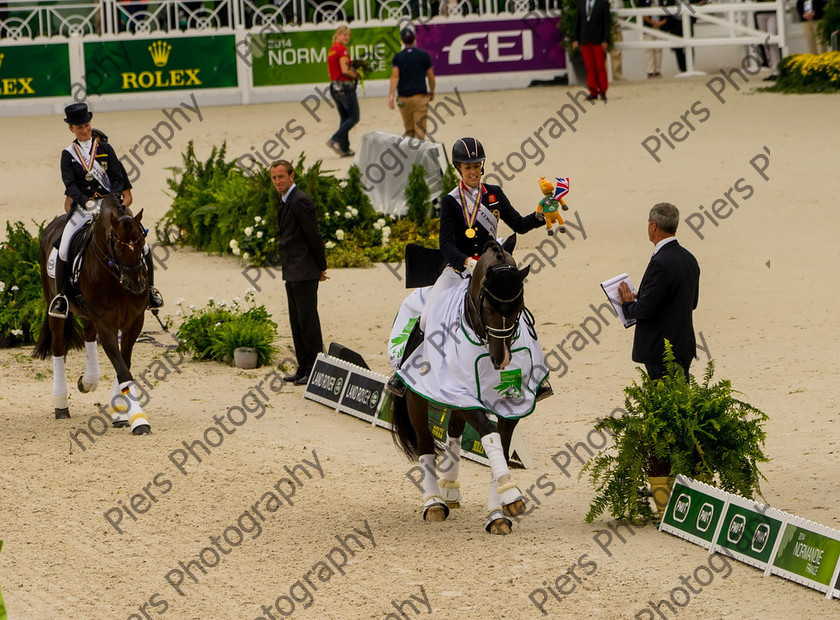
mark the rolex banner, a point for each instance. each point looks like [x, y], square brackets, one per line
[172, 63]
[34, 71]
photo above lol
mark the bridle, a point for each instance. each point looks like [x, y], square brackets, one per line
[488, 332]
[111, 260]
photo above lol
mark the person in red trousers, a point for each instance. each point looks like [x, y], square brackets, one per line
[592, 36]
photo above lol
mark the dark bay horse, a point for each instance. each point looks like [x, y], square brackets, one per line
[114, 290]
[491, 309]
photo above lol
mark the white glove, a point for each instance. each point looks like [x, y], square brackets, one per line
[470, 264]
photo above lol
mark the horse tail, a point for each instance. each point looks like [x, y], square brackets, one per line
[74, 337]
[403, 432]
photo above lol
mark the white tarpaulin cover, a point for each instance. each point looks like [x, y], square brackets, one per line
[385, 160]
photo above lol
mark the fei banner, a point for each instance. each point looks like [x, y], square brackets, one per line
[456, 48]
[474, 48]
[34, 71]
[171, 63]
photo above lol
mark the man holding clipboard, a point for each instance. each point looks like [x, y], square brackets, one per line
[666, 299]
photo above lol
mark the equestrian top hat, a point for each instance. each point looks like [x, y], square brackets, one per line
[407, 35]
[467, 151]
[77, 114]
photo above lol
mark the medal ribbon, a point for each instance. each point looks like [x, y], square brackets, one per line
[86, 164]
[92, 166]
[470, 213]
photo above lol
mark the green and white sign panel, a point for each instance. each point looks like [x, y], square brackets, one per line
[34, 71]
[750, 532]
[778, 542]
[694, 511]
[808, 554]
[162, 64]
[301, 57]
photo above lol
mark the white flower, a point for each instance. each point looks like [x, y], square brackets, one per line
[386, 230]
[14, 288]
[246, 256]
[17, 332]
[248, 231]
[233, 244]
[354, 211]
[217, 325]
[177, 313]
[257, 219]
[342, 184]
[260, 235]
[179, 301]
[223, 303]
[377, 225]
[339, 234]
[236, 251]
[210, 300]
[336, 213]
[251, 291]
[192, 306]
[381, 221]
[329, 245]
[2, 286]
[348, 215]
[236, 301]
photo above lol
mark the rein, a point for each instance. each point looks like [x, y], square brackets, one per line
[110, 260]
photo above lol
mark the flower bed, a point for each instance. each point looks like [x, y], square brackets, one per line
[22, 309]
[218, 209]
[809, 73]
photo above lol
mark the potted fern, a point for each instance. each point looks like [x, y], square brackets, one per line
[245, 341]
[676, 426]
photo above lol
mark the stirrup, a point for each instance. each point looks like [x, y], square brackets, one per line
[544, 391]
[59, 307]
[155, 298]
[395, 386]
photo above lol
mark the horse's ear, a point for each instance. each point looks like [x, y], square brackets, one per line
[523, 273]
[509, 244]
[138, 217]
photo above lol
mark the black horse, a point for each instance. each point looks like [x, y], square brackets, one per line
[113, 292]
[492, 308]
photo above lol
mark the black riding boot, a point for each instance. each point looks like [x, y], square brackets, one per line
[59, 306]
[395, 385]
[155, 298]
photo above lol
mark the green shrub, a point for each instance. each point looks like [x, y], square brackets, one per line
[417, 195]
[808, 73]
[244, 331]
[22, 309]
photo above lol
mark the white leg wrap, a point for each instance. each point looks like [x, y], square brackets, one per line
[59, 383]
[92, 371]
[450, 467]
[493, 500]
[430, 483]
[492, 444]
[136, 416]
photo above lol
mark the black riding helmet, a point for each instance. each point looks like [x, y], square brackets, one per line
[467, 151]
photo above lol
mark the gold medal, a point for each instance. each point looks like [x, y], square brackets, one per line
[89, 177]
[496, 214]
[470, 232]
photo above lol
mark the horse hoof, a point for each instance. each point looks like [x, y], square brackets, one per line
[120, 424]
[85, 388]
[515, 509]
[453, 504]
[498, 523]
[62, 413]
[435, 509]
[143, 429]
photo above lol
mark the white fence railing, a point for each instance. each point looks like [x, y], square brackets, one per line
[28, 19]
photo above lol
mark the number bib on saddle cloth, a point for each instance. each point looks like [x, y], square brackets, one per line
[451, 368]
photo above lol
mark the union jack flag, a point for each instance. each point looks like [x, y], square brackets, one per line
[562, 188]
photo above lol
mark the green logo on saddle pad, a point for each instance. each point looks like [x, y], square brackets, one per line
[510, 385]
[400, 339]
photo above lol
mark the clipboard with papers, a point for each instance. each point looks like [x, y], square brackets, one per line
[610, 288]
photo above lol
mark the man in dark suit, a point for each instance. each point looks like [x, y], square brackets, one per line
[592, 36]
[304, 265]
[666, 299]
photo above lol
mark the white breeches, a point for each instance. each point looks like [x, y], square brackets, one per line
[446, 280]
[76, 221]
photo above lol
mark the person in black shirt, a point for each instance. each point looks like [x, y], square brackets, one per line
[411, 68]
